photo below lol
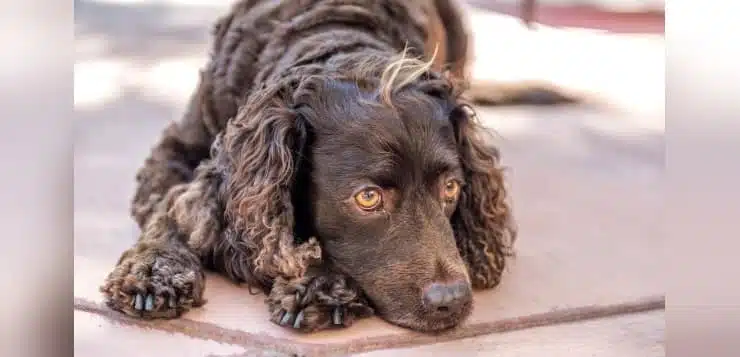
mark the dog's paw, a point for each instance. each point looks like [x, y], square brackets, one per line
[151, 284]
[316, 303]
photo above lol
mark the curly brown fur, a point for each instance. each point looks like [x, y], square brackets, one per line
[485, 230]
[303, 103]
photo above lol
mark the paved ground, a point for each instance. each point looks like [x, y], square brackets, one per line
[587, 185]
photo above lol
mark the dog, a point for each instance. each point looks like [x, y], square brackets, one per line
[330, 158]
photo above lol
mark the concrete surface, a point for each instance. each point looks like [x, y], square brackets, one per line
[587, 186]
[96, 336]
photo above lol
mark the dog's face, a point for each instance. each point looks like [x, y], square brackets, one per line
[404, 195]
[381, 185]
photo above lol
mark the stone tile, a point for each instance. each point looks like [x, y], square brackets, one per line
[96, 336]
[631, 335]
[586, 238]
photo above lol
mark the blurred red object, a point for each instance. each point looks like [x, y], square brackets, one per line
[584, 16]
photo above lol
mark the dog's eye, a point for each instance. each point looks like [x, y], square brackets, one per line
[451, 189]
[369, 199]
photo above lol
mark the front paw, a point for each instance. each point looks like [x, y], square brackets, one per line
[151, 283]
[316, 303]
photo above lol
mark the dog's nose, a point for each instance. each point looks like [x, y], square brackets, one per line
[447, 297]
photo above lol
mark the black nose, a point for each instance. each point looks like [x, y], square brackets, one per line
[447, 297]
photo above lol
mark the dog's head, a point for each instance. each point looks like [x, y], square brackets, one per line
[389, 175]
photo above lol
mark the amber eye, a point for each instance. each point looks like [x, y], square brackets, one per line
[451, 189]
[369, 199]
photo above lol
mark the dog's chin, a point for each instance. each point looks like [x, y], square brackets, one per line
[427, 323]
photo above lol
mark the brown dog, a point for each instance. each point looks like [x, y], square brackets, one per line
[328, 158]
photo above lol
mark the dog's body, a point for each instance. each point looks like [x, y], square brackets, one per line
[316, 164]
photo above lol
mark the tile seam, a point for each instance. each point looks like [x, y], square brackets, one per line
[208, 331]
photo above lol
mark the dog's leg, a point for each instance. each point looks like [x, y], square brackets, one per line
[162, 275]
[317, 301]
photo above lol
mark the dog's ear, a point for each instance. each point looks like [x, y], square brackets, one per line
[483, 224]
[262, 146]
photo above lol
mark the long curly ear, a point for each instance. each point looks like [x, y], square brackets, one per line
[261, 147]
[483, 223]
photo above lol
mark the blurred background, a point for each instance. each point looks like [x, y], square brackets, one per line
[128, 48]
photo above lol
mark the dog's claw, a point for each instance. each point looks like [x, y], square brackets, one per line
[298, 320]
[149, 303]
[139, 302]
[300, 289]
[287, 316]
[337, 317]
